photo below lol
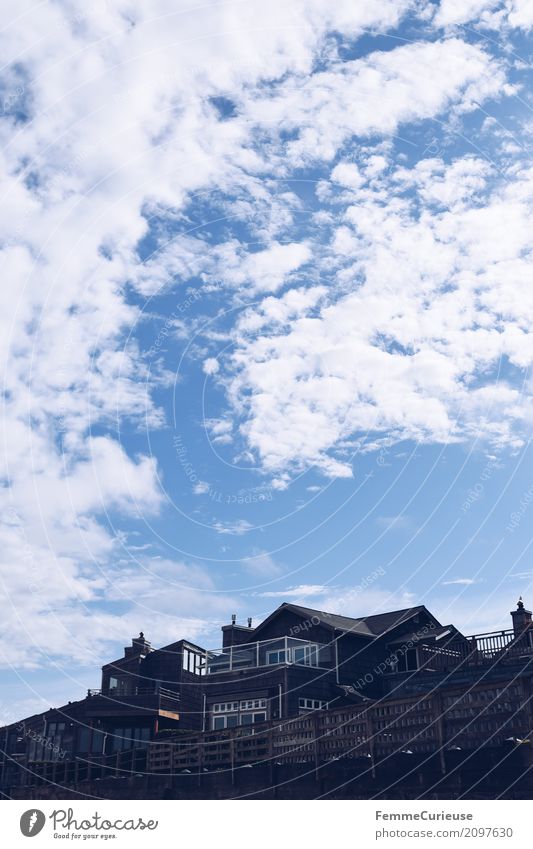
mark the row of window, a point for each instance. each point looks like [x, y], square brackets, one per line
[393, 710]
[246, 704]
[232, 720]
[128, 738]
[193, 662]
[482, 695]
[486, 725]
[312, 704]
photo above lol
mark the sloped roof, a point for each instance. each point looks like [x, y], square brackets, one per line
[367, 626]
[436, 633]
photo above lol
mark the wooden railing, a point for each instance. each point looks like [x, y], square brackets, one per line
[477, 650]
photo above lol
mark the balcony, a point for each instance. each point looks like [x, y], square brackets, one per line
[478, 650]
[145, 700]
[282, 651]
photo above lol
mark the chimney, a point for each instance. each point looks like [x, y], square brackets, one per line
[521, 618]
[235, 635]
[249, 621]
[139, 645]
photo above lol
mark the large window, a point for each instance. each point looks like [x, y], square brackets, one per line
[253, 718]
[231, 714]
[277, 657]
[128, 738]
[193, 661]
[305, 655]
[121, 685]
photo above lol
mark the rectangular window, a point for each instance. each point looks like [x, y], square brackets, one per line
[313, 704]
[274, 657]
[193, 661]
[219, 722]
[250, 704]
[83, 740]
[305, 655]
[98, 742]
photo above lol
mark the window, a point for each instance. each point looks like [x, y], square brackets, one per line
[193, 661]
[123, 738]
[306, 655]
[249, 704]
[98, 742]
[120, 686]
[225, 707]
[232, 714]
[311, 704]
[276, 657]
[83, 740]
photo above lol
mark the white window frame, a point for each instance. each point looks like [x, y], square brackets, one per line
[305, 703]
[310, 654]
[278, 652]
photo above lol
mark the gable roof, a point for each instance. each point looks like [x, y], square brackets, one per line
[442, 633]
[366, 626]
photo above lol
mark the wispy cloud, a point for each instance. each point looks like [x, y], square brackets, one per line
[236, 528]
[464, 582]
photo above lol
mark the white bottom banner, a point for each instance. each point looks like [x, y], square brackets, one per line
[269, 824]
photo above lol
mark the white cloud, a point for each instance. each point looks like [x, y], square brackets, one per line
[235, 528]
[262, 565]
[492, 14]
[460, 11]
[394, 522]
[376, 94]
[466, 582]
[210, 366]
[303, 591]
[520, 14]
[430, 294]
[201, 488]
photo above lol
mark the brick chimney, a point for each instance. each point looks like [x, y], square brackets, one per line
[236, 635]
[139, 645]
[521, 618]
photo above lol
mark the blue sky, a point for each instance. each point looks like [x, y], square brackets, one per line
[265, 321]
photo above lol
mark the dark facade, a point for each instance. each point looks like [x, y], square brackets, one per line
[304, 688]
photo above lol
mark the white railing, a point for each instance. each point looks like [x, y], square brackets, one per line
[274, 652]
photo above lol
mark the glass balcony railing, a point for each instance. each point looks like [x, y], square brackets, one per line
[280, 651]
